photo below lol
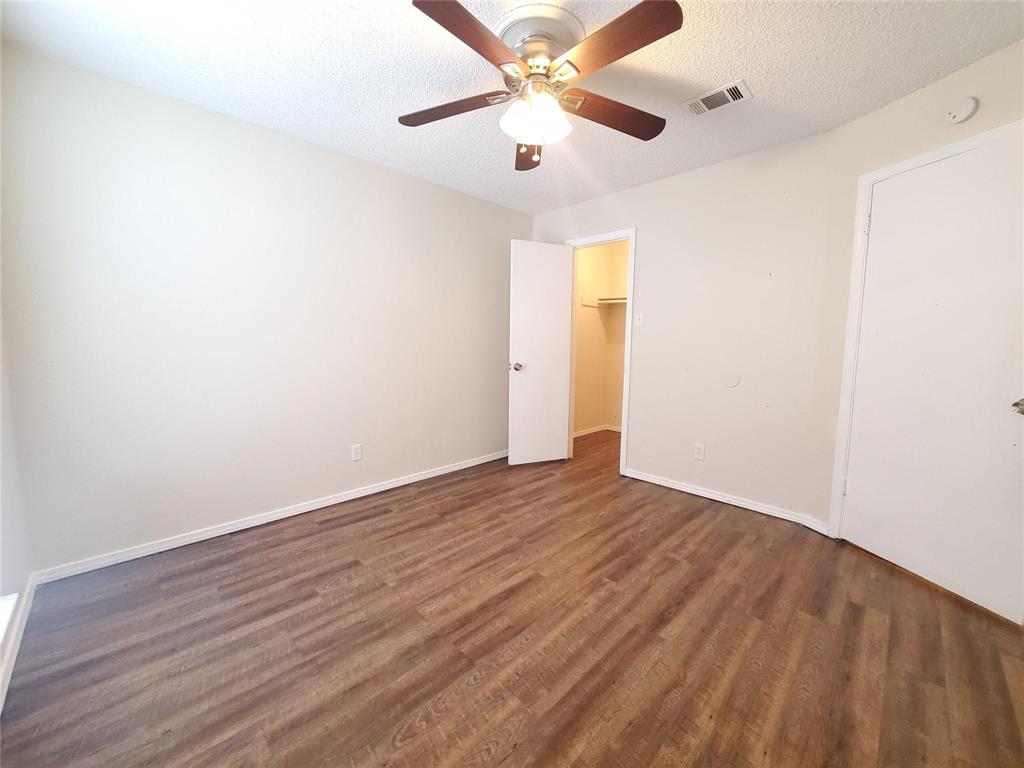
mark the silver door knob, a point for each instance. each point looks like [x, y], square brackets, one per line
[517, 366]
[1018, 406]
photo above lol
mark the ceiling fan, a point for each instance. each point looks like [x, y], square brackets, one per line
[541, 50]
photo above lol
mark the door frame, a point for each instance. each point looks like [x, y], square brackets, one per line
[628, 234]
[862, 229]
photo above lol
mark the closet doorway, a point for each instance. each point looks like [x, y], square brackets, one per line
[601, 324]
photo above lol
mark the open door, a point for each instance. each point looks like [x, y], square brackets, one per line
[540, 350]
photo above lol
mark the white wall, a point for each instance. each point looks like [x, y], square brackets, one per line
[599, 335]
[742, 272]
[202, 315]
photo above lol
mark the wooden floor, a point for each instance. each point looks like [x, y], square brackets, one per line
[549, 615]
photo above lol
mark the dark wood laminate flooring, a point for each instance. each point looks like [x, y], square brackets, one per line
[547, 615]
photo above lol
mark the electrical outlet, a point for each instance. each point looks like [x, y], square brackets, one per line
[698, 451]
[357, 452]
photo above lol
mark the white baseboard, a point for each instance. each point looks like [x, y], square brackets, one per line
[12, 636]
[814, 524]
[180, 540]
[592, 430]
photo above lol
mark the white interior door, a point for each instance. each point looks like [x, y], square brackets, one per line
[540, 348]
[934, 480]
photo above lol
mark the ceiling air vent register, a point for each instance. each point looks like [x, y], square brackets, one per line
[720, 97]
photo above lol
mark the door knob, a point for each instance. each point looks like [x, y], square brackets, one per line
[519, 367]
[1018, 406]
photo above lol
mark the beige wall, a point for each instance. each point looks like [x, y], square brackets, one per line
[202, 315]
[742, 273]
[598, 335]
[16, 553]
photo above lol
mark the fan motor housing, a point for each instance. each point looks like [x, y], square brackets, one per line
[539, 31]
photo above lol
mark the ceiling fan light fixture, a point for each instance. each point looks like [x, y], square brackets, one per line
[536, 118]
[540, 48]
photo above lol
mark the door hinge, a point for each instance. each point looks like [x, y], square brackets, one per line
[867, 226]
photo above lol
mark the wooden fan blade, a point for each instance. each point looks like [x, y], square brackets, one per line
[614, 114]
[639, 26]
[453, 108]
[454, 17]
[525, 154]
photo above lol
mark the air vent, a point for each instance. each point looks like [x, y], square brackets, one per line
[721, 97]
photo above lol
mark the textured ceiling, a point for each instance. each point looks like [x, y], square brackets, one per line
[340, 73]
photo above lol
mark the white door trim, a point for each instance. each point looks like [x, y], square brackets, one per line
[862, 225]
[611, 237]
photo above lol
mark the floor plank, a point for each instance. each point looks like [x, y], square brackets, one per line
[542, 615]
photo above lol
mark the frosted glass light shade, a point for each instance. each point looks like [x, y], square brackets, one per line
[536, 119]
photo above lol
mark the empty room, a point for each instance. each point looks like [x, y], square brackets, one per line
[414, 383]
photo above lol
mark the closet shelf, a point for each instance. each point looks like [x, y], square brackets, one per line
[603, 302]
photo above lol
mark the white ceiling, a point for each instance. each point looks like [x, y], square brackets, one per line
[340, 74]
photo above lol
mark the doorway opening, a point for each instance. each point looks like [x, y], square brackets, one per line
[601, 325]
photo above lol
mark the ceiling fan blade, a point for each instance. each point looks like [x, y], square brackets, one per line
[639, 26]
[525, 154]
[454, 17]
[454, 108]
[614, 114]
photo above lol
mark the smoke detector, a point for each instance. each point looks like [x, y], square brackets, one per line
[961, 109]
